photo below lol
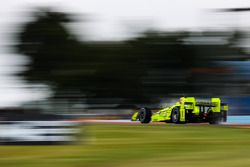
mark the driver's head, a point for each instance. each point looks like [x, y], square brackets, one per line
[182, 100]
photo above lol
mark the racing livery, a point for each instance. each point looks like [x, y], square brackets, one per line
[187, 110]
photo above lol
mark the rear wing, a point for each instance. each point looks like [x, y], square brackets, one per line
[206, 104]
[215, 104]
[224, 106]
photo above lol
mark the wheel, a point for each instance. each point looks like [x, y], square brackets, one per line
[145, 115]
[175, 116]
[215, 118]
[224, 115]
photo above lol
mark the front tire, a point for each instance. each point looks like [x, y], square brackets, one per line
[145, 115]
[175, 116]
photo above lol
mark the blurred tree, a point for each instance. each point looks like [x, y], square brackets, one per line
[49, 45]
[141, 70]
[186, 63]
[102, 73]
[168, 62]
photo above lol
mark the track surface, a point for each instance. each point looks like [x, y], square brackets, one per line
[242, 121]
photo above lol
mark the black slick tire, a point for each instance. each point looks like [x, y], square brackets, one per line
[145, 115]
[175, 116]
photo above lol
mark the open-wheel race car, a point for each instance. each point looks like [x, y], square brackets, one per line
[187, 110]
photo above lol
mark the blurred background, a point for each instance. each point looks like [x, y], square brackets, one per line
[110, 57]
[66, 63]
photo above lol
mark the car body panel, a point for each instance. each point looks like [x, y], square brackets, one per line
[189, 108]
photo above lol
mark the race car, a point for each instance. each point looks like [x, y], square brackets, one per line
[187, 110]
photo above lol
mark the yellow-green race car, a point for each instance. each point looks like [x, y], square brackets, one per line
[187, 110]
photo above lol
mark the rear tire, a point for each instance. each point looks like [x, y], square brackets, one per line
[215, 118]
[224, 115]
[145, 115]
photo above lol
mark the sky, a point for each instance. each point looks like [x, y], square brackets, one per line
[104, 20]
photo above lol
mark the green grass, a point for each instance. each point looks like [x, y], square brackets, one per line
[140, 145]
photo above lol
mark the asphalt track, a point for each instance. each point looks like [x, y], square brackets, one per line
[241, 121]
